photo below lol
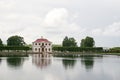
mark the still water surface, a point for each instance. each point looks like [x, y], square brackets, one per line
[37, 67]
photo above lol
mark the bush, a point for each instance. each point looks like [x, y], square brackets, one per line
[115, 50]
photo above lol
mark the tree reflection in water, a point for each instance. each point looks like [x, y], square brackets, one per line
[15, 61]
[68, 63]
[88, 61]
[41, 60]
[0, 61]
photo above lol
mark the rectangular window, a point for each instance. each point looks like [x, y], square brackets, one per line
[35, 49]
[49, 49]
[42, 44]
[39, 49]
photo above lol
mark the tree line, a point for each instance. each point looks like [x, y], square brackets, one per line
[70, 44]
[14, 43]
[67, 42]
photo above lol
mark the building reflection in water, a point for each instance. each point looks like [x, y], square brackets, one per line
[41, 60]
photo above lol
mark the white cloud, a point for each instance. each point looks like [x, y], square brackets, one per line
[59, 22]
[107, 36]
[55, 19]
[6, 4]
[111, 30]
[59, 19]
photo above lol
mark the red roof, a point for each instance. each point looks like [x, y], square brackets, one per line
[42, 40]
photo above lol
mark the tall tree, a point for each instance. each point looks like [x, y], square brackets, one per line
[1, 43]
[72, 42]
[87, 42]
[65, 42]
[82, 43]
[15, 41]
[69, 42]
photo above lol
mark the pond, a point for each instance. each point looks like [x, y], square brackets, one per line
[39, 67]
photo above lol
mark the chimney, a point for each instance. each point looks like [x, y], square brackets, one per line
[41, 37]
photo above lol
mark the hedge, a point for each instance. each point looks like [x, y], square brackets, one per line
[78, 49]
[115, 50]
[14, 48]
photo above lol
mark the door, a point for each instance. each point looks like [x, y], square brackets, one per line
[42, 49]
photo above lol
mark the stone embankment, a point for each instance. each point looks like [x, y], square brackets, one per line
[78, 54]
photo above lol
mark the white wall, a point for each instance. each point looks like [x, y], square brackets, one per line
[38, 46]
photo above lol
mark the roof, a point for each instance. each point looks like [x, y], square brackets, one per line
[42, 40]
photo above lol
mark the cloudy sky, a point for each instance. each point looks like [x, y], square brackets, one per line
[55, 19]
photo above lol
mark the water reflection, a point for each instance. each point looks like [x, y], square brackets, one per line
[41, 60]
[15, 61]
[87, 61]
[80, 68]
[0, 61]
[68, 63]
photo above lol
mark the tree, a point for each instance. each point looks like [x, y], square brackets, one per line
[72, 42]
[69, 42]
[65, 42]
[1, 43]
[15, 41]
[82, 43]
[87, 42]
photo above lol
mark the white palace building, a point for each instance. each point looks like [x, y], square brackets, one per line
[42, 45]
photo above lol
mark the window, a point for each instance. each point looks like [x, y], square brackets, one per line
[42, 49]
[35, 43]
[42, 44]
[49, 44]
[39, 43]
[35, 49]
[49, 49]
[46, 44]
[39, 49]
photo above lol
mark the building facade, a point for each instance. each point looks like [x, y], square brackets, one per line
[42, 45]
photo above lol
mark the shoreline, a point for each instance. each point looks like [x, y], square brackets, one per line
[83, 54]
[56, 54]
